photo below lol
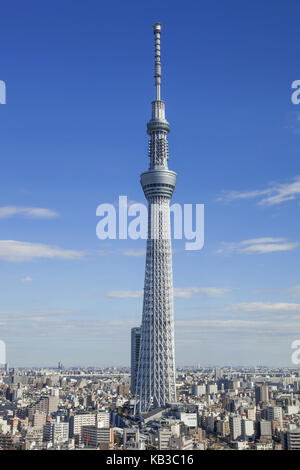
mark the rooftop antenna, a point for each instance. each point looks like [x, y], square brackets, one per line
[157, 74]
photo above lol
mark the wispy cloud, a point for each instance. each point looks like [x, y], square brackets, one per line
[294, 290]
[134, 253]
[264, 307]
[188, 292]
[181, 292]
[11, 250]
[129, 252]
[26, 279]
[125, 294]
[30, 212]
[273, 195]
[259, 246]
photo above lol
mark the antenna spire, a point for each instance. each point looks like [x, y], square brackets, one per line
[157, 74]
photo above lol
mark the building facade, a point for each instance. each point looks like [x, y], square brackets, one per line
[135, 352]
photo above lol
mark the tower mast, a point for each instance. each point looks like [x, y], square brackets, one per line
[155, 385]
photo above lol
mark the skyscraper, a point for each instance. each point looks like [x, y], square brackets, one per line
[135, 350]
[156, 371]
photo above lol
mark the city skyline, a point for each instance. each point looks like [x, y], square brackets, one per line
[77, 95]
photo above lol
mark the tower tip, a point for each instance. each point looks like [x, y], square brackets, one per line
[156, 28]
[157, 74]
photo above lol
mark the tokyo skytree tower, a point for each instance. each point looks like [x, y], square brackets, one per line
[155, 386]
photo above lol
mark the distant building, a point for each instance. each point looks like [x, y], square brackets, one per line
[135, 351]
[211, 388]
[198, 390]
[223, 427]
[274, 413]
[164, 435]
[80, 420]
[132, 440]
[56, 432]
[235, 426]
[93, 436]
[47, 405]
[247, 427]
[39, 419]
[290, 439]
[189, 419]
[180, 443]
[103, 419]
[264, 429]
[262, 394]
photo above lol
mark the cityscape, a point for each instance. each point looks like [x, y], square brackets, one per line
[88, 408]
[173, 331]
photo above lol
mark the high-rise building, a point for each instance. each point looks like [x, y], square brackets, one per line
[290, 439]
[135, 352]
[57, 432]
[198, 390]
[274, 413]
[80, 420]
[264, 429]
[47, 404]
[247, 429]
[156, 371]
[262, 394]
[235, 426]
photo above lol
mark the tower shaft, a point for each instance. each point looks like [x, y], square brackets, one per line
[155, 385]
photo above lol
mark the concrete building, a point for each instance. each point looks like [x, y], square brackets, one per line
[132, 439]
[264, 429]
[79, 420]
[262, 394]
[247, 429]
[164, 435]
[290, 439]
[180, 443]
[103, 419]
[223, 427]
[93, 436]
[57, 432]
[235, 426]
[274, 413]
[198, 390]
[135, 352]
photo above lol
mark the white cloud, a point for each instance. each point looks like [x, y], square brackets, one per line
[133, 252]
[185, 292]
[264, 307]
[26, 279]
[259, 246]
[188, 292]
[125, 294]
[11, 250]
[30, 212]
[275, 194]
[215, 323]
[295, 290]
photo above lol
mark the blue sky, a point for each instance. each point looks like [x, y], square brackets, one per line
[79, 79]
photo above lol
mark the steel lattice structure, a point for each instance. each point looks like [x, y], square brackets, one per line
[155, 385]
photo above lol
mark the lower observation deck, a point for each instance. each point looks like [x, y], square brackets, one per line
[158, 182]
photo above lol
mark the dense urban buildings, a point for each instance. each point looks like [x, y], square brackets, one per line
[90, 408]
[155, 385]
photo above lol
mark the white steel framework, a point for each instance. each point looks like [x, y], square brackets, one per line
[155, 385]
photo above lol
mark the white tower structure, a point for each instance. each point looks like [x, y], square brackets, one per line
[155, 386]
